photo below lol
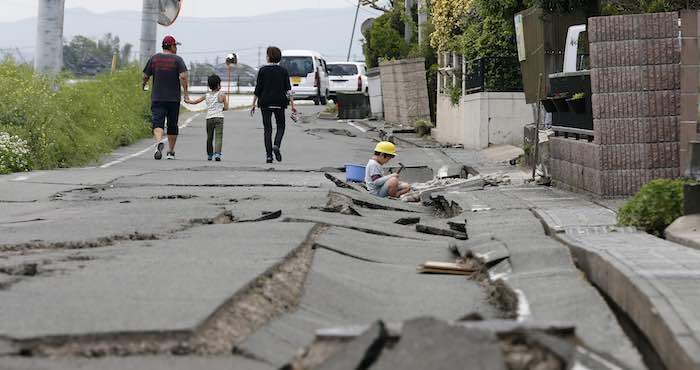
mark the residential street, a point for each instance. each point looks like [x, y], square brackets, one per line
[139, 257]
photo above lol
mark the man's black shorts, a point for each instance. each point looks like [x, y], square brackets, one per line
[166, 109]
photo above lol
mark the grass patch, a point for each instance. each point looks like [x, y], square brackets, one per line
[72, 124]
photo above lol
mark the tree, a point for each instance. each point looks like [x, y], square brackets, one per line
[385, 39]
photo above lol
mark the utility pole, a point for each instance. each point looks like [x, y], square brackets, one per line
[408, 28]
[49, 39]
[423, 7]
[354, 25]
[149, 27]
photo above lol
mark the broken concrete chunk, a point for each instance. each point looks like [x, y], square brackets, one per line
[266, 216]
[407, 221]
[343, 209]
[366, 200]
[453, 172]
[444, 208]
[490, 251]
[458, 226]
[425, 229]
[361, 352]
[338, 182]
[427, 343]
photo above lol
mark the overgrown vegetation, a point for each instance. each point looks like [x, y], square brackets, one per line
[65, 125]
[82, 55]
[654, 207]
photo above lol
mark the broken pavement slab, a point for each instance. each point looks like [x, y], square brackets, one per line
[136, 362]
[342, 290]
[685, 231]
[653, 282]
[367, 200]
[167, 286]
[441, 347]
[361, 352]
[542, 270]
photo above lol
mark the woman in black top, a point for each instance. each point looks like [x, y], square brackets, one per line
[272, 96]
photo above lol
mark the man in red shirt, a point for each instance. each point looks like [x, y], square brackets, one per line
[169, 74]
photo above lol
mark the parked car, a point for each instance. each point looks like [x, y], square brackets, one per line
[347, 77]
[308, 74]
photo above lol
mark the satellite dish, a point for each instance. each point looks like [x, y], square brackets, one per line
[169, 10]
[366, 25]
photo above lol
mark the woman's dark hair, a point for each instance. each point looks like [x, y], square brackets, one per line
[274, 54]
[214, 81]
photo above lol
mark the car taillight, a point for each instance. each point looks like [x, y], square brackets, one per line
[317, 80]
[359, 83]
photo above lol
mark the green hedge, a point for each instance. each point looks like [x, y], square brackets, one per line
[657, 204]
[66, 125]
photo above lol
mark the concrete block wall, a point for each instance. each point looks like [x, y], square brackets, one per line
[689, 129]
[636, 100]
[405, 91]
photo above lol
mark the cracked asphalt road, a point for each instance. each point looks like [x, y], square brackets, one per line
[137, 263]
[128, 260]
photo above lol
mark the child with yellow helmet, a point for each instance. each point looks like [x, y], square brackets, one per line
[377, 183]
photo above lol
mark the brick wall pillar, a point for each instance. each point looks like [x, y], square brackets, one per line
[690, 83]
[636, 101]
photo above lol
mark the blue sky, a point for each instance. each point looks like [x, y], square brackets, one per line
[20, 9]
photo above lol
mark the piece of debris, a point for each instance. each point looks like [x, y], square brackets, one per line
[444, 208]
[266, 216]
[174, 196]
[423, 191]
[407, 221]
[343, 209]
[450, 268]
[496, 180]
[425, 229]
[338, 182]
[223, 218]
[453, 172]
[458, 226]
[125, 201]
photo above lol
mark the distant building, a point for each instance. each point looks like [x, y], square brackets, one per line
[89, 66]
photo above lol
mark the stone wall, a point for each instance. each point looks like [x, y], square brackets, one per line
[482, 119]
[404, 91]
[636, 96]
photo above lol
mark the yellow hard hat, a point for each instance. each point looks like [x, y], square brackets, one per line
[386, 148]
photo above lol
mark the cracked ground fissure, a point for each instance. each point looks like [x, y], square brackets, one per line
[278, 290]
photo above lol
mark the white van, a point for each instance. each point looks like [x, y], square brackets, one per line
[308, 74]
[347, 77]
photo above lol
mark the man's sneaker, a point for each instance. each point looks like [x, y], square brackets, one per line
[217, 157]
[269, 160]
[209, 157]
[278, 154]
[170, 155]
[159, 151]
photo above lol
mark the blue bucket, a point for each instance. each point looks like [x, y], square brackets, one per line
[354, 173]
